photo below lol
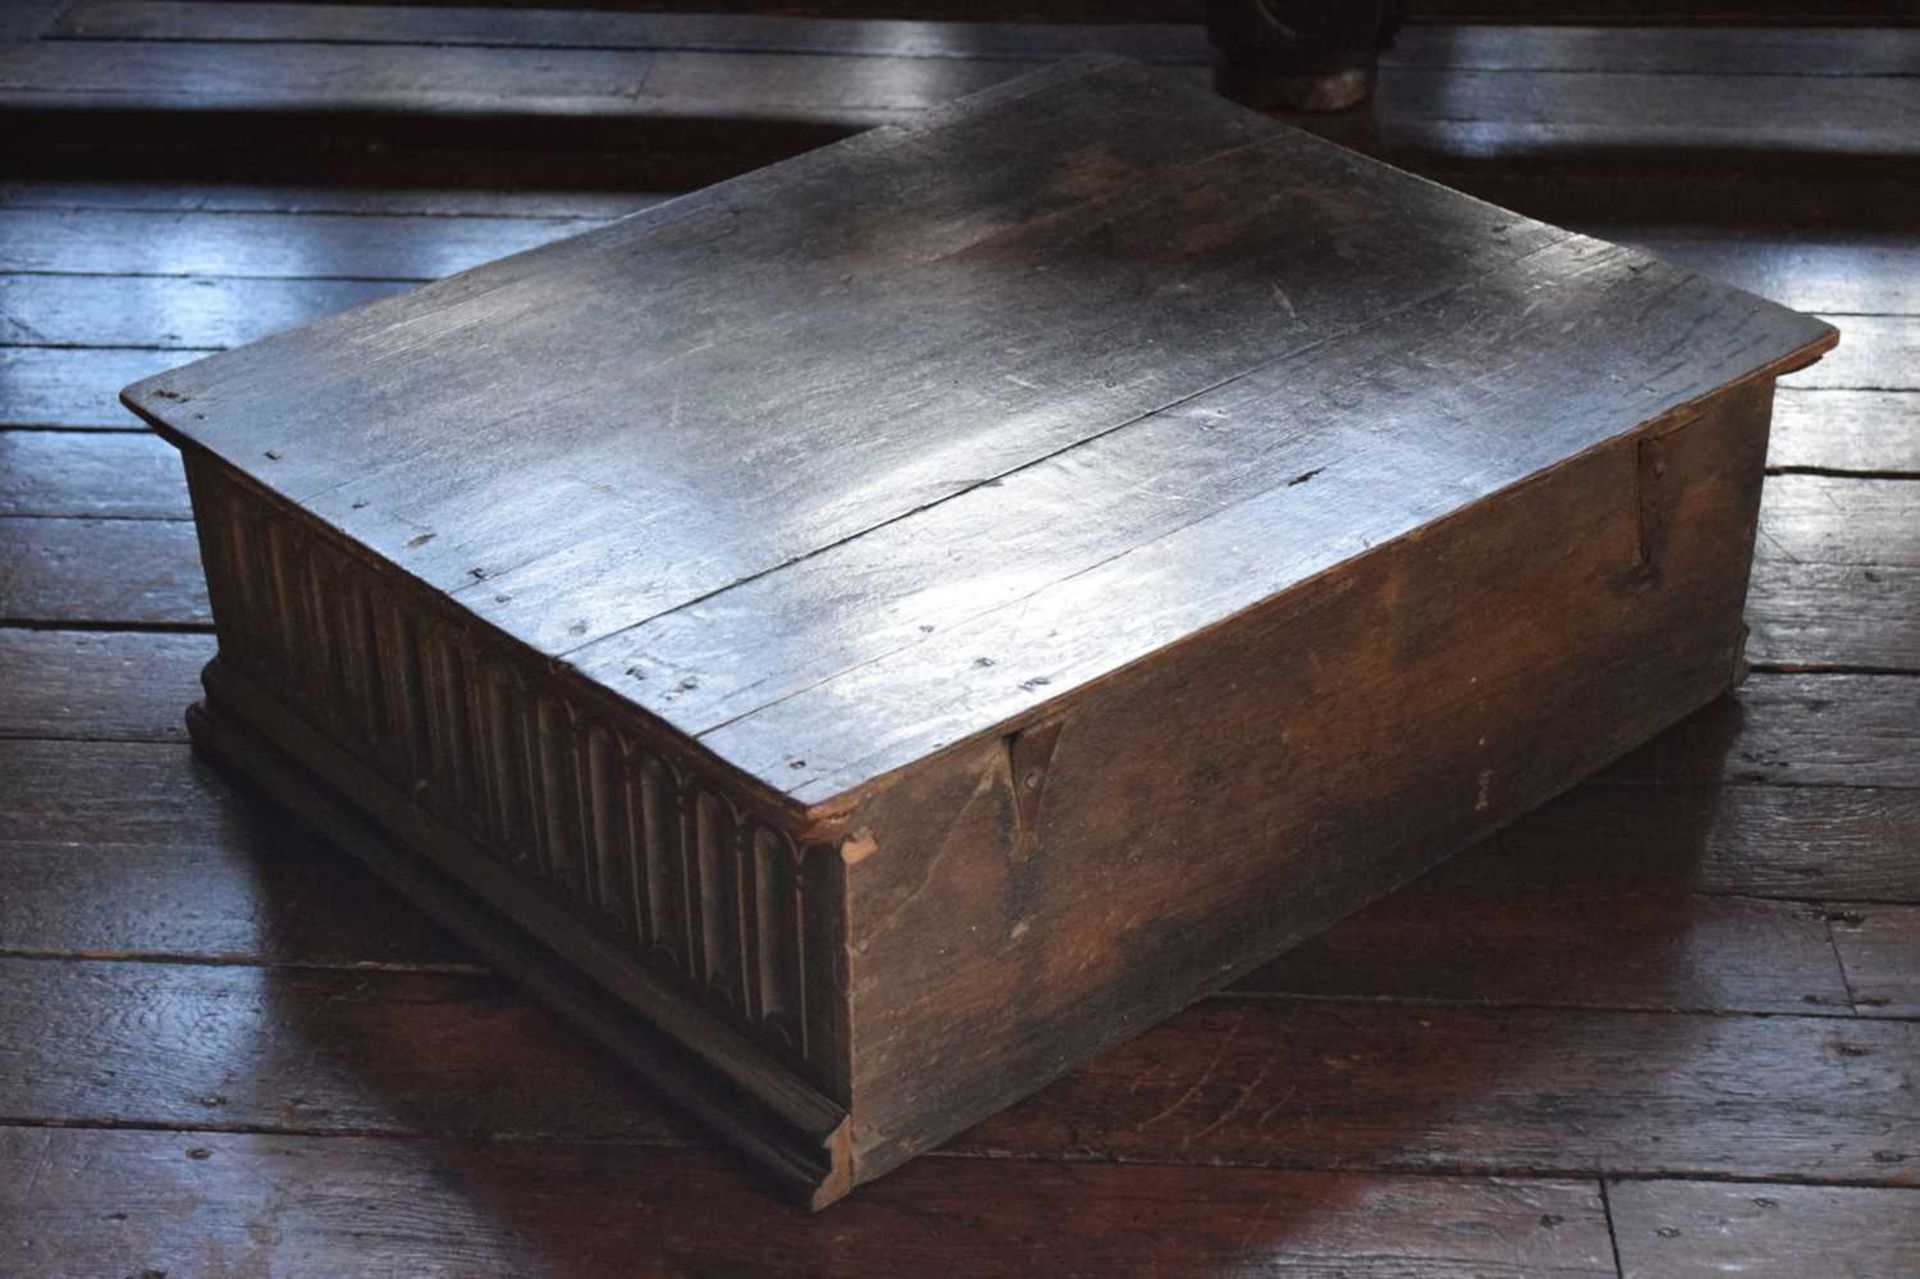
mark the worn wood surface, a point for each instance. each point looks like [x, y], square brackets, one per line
[1828, 52]
[1357, 1085]
[646, 551]
[526, 1207]
[1491, 98]
[1713, 854]
[68, 387]
[1879, 946]
[66, 571]
[1683, 1230]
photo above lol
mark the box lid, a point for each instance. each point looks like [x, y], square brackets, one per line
[888, 446]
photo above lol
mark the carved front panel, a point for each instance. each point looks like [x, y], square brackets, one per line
[646, 851]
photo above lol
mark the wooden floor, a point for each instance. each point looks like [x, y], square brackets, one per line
[1669, 1025]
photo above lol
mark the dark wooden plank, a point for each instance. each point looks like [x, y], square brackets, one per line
[1794, 730]
[1467, 936]
[144, 75]
[124, 685]
[1876, 352]
[167, 312]
[1809, 616]
[847, 93]
[1876, 432]
[64, 571]
[1787, 13]
[1501, 48]
[117, 850]
[1761, 200]
[304, 245]
[1676, 119]
[1613, 842]
[600, 29]
[92, 1203]
[1879, 947]
[254, 197]
[1823, 519]
[70, 473]
[1853, 271]
[1385, 1086]
[29, 19]
[314, 1050]
[1236, 1080]
[1418, 111]
[74, 389]
[1707, 1230]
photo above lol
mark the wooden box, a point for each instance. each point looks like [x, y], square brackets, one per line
[865, 637]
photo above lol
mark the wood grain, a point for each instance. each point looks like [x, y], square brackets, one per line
[1464, 936]
[1793, 730]
[472, 1210]
[75, 389]
[1698, 867]
[310, 1050]
[308, 198]
[1702, 1230]
[1813, 616]
[187, 314]
[1361, 1085]
[113, 849]
[356, 246]
[122, 476]
[122, 572]
[1861, 431]
[1833, 271]
[1608, 841]
[1879, 947]
[1876, 352]
[133, 74]
[1820, 519]
[115, 685]
[1245, 1082]
[1505, 48]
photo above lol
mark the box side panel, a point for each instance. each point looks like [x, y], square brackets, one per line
[554, 802]
[1028, 901]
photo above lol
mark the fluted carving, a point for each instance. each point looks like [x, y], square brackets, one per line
[645, 850]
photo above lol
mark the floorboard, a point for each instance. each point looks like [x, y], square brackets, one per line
[363, 246]
[76, 388]
[255, 197]
[306, 1207]
[119, 573]
[1391, 1086]
[1862, 432]
[119, 476]
[107, 686]
[1707, 1230]
[170, 313]
[1852, 271]
[1879, 947]
[1815, 616]
[1251, 1082]
[1817, 52]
